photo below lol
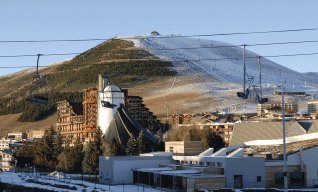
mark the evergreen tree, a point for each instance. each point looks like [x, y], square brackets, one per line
[160, 145]
[114, 148]
[91, 159]
[143, 143]
[98, 141]
[211, 140]
[132, 147]
[193, 134]
[75, 158]
[58, 146]
[88, 166]
[25, 155]
[45, 156]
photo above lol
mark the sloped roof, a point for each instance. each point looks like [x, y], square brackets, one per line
[123, 125]
[313, 127]
[244, 132]
[277, 150]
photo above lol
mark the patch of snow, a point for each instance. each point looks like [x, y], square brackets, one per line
[221, 64]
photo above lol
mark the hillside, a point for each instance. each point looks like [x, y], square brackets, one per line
[163, 73]
[127, 66]
[215, 71]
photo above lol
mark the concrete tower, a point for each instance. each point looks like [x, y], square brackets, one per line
[110, 97]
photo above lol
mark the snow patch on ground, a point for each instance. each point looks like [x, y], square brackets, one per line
[221, 64]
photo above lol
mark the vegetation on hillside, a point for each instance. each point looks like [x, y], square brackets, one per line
[118, 58]
[35, 112]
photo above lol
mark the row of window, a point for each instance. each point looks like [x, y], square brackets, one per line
[214, 164]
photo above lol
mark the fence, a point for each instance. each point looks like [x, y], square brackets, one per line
[312, 183]
[71, 181]
[55, 175]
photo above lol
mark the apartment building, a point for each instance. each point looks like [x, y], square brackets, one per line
[70, 120]
[35, 134]
[5, 158]
[312, 106]
[89, 113]
[277, 106]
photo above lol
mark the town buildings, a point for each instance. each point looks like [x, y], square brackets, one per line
[70, 121]
[221, 124]
[35, 134]
[186, 148]
[5, 158]
[312, 106]
[79, 120]
[292, 107]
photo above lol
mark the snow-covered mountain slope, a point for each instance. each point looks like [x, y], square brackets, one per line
[218, 66]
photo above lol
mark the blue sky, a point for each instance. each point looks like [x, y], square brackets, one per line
[75, 19]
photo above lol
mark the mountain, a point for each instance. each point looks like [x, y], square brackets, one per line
[164, 70]
[214, 70]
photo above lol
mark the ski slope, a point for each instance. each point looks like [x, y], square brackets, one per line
[221, 65]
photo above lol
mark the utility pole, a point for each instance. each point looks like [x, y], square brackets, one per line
[284, 140]
[260, 74]
[244, 68]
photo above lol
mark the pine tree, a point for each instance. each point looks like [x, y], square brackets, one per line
[45, 151]
[211, 140]
[114, 148]
[88, 159]
[143, 143]
[58, 146]
[91, 159]
[75, 158]
[25, 155]
[132, 148]
[160, 145]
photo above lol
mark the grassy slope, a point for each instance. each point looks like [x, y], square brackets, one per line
[128, 66]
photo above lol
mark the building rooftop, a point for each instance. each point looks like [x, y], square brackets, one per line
[277, 150]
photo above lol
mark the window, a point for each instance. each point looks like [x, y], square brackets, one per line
[259, 179]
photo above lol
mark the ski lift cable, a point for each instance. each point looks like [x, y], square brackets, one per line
[182, 48]
[212, 59]
[207, 35]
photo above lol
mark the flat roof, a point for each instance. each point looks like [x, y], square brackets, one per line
[189, 173]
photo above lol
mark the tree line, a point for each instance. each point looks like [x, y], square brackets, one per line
[51, 154]
[192, 133]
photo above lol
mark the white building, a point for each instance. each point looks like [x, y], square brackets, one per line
[5, 158]
[4, 143]
[189, 173]
[110, 97]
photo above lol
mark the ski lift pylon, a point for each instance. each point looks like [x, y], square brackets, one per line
[39, 83]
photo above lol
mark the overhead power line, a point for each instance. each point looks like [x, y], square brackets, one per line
[207, 35]
[211, 59]
[181, 48]
[54, 40]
